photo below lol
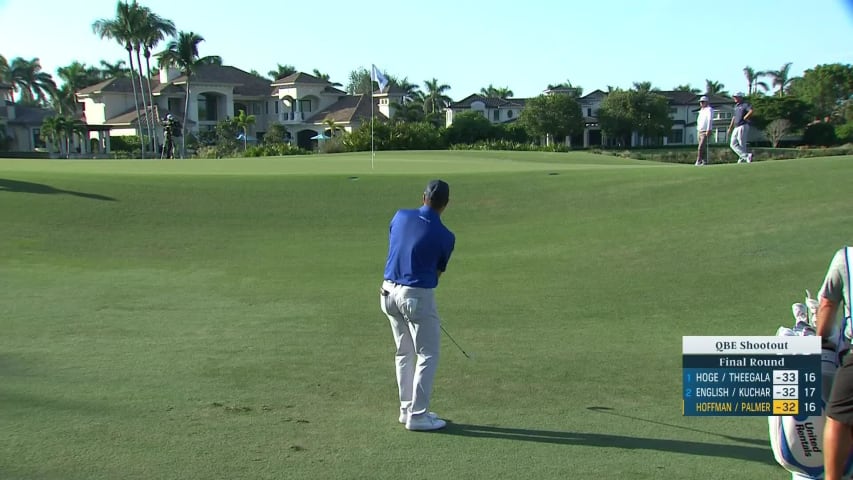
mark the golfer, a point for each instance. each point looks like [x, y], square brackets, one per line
[838, 430]
[419, 247]
[739, 129]
[704, 122]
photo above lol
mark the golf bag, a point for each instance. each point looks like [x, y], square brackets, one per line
[797, 441]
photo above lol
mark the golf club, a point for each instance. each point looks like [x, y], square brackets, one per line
[454, 342]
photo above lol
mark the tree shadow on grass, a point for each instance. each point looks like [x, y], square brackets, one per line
[17, 186]
[603, 440]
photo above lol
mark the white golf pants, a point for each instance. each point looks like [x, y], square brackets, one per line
[738, 142]
[417, 335]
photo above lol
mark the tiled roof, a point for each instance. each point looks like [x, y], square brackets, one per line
[30, 115]
[116, 84]
[346, 110]
[300, 77]
[244, 82]
[490, 102]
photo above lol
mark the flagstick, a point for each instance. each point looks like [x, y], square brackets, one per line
[372, 151]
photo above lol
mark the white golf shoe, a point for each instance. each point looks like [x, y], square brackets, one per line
[404, 416]
[425, 422]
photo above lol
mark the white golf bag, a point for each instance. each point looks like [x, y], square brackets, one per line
[797, 441]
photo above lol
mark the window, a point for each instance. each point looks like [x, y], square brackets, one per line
[175, 105]
[676, 136]
[509, 114]
[496, 115]
[207, 108]
[276, 107]
[266, 108]
[256, 108]
[305, 105]
[673, 110]
[589, 112]
[260, 136]
[38, 142]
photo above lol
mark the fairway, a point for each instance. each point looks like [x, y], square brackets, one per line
[219, 319]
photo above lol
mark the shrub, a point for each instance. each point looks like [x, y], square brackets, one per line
[822, 134]
[844, 133]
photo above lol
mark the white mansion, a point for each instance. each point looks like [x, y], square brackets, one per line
[304, 104]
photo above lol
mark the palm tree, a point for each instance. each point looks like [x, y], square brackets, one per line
[75, 77]
[34, 85]
[686, 88]
[326, 77]
[435, 98]
[5, 75]
[50, 131]
[332, 126]
[576, 91]
[114, 70]
[492, 92]
[781, 78]
[154, 29]
[753, 80]
[243, 122]
[644, 87]
[715, 88]
[281, 71]
[182, 53]
[124, 29]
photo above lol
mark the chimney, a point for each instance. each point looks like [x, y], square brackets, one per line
[167, 74]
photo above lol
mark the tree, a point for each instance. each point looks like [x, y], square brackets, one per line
[276, 133]
[182, 53]
[577, 91]
[645, 87]
[686, 88]
[492, 92]
[332, 126]
[766, 109]
[243, 122]
[753, 80]
[114, 70]
[625, 112]
[50, 131]
[435, 98]
[153, 30]
[825, 87]
[781, 78]
[124, 28]
[468, 128]
[75, 77]
[777, 129]
[326, 77]
[715, 88]
[360, 82]
[34, 86]
[552, 116]
[281, 71]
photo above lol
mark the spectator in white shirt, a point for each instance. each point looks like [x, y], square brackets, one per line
[703, 126]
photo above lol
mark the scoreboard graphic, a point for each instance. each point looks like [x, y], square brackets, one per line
[751, 376]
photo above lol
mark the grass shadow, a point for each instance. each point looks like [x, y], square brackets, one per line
[603, 440]
[17, 186]
[610, 411]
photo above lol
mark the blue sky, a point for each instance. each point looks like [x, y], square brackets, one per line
[524, 45]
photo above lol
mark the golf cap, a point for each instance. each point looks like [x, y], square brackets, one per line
[738, 95]
[703, 98]
[437, 192]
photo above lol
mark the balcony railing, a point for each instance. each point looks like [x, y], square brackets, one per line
[292, 116]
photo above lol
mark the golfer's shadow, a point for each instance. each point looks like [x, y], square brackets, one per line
[603, 440]
[17, 186]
